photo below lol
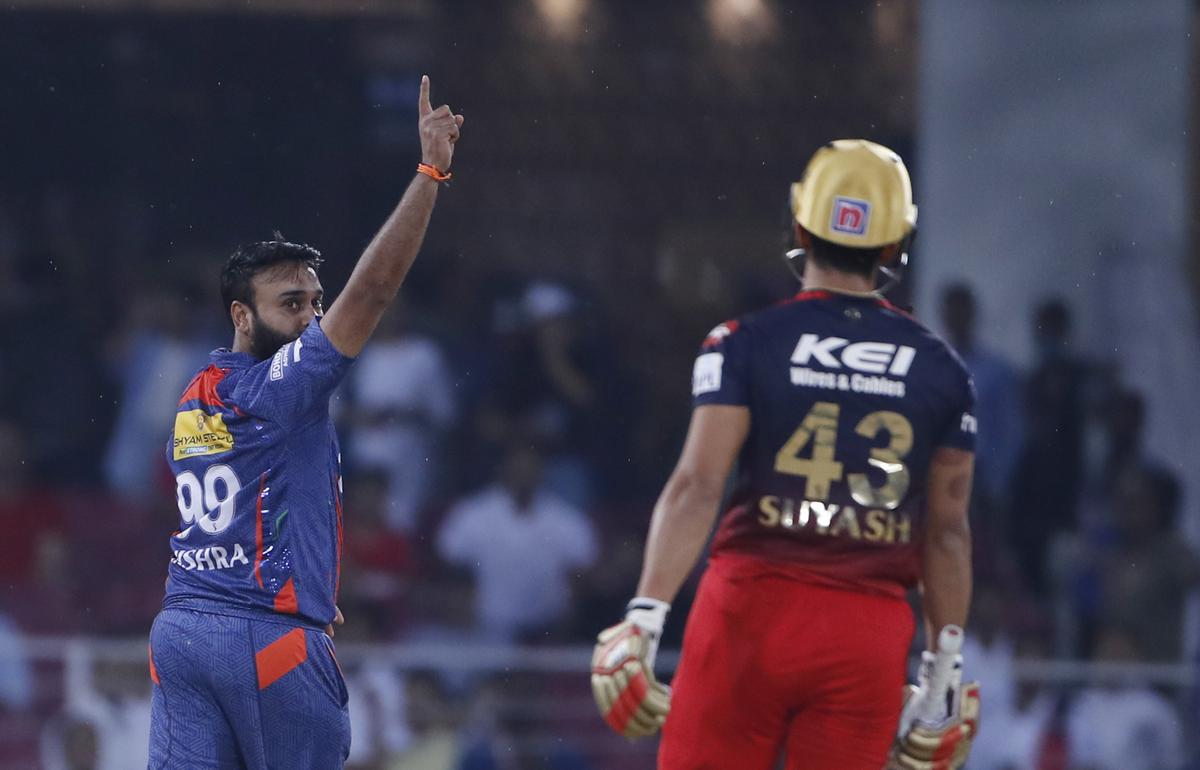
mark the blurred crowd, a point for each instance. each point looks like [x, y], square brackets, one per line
[1078, 556]
[503, 443]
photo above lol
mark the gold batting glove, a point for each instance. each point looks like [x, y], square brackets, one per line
[631, 700]
[941, 746]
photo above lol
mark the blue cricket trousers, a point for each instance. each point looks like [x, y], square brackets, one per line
[232, 693]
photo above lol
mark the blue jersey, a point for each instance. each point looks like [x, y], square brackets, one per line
[848, 399]
[258, 483]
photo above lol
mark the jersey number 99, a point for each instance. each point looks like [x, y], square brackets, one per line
[209, 504]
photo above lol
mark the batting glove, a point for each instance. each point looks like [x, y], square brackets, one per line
[944, 742]
[631, 700]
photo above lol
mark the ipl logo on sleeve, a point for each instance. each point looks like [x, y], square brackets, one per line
[850, 216]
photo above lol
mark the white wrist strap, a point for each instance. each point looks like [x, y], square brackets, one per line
[648, 614]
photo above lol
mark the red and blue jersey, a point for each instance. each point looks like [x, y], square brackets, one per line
[258, 483]
[848, 397]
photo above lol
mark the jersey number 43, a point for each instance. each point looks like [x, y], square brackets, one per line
[820, 428]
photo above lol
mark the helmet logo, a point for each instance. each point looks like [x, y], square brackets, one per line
[850, 216]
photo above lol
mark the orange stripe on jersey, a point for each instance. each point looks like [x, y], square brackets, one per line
[280, 657]
[258, 537]
[285, 600]
[203, 387]
[153, 670]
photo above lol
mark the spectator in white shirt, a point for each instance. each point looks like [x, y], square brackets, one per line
[105, 722]
[399, 401]
[1123, 726]
[523, 545]
[1019, 715]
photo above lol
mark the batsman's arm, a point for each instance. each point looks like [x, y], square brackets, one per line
[946, 579]
[688, 504]
[381, 268]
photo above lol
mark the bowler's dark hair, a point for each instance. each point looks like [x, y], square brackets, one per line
[846, 259]
[250, 259]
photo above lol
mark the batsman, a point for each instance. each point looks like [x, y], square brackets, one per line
[848, 428]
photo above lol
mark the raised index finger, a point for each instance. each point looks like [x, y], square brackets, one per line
[423, 105]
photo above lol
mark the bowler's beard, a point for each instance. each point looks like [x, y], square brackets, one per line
[266, 340]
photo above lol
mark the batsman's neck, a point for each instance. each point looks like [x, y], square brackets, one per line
[817, 277]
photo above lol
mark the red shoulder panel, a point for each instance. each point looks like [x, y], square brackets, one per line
[203, 387]
[721, 332]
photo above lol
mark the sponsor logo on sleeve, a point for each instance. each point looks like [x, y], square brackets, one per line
[706, 376]
[278, 362]
[969, 423]
[288, 353]
[198, 433]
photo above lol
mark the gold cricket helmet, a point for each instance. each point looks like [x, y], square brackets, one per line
[855, 193]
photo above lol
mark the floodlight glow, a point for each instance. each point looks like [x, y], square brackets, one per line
[740, 21]
[563, 18]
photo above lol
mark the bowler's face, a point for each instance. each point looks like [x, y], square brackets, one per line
[286, 299]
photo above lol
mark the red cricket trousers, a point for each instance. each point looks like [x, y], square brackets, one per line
[775, 665]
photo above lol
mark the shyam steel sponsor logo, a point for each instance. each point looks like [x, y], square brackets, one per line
[198, 433]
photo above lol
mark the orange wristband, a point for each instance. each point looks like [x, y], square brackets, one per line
[433, 172]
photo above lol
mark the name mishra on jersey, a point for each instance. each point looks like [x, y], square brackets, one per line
[869, 360]
[209, 557]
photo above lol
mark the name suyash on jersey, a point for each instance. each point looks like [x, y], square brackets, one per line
[833, 520]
